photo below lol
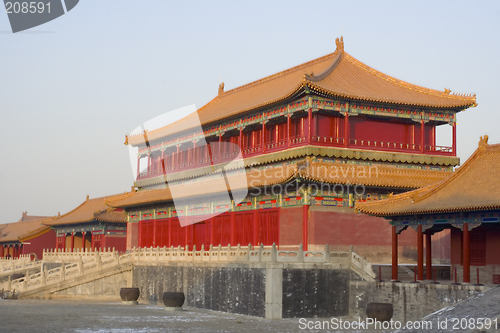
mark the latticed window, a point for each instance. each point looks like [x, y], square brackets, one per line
[477, 248]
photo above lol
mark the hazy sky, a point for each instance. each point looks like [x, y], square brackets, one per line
[72, 88]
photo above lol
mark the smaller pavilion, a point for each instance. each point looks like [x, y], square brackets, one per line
[92, 225]
[26, 236]
[468, 203]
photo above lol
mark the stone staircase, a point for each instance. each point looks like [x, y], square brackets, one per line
[21, 265]
[406, 272]
[85, 267]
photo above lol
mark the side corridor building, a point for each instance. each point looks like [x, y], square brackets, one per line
[468, 204]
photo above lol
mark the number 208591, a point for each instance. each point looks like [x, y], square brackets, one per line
[27, 7]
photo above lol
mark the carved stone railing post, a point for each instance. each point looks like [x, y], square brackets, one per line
[63, 272]
[80, 265]
[43, 275]
[274, 253]
[98, 261]
[327, 253]
[301, 253]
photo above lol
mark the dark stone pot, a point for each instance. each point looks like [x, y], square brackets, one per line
[129, 294]
[379, 311]
[173, 299]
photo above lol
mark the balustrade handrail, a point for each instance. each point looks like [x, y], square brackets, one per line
[77, 263]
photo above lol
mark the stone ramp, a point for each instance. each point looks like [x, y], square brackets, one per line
[48, 290]
[463, 316]
[83, 268]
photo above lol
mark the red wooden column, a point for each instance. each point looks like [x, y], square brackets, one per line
[305, 220]
[240, 140]
[72, 241]
[173, 160]
[212, 231]
[263, 136]
[466, 253]
[346, 130]
[138, 166]
[149, 163]
[193, 157]
[288, 119]
[428, 255]
[162, 162]
[309, 126]
[177, 159]
[233, 228]
[220, 147]
[420, 258]
[256, 228]
[454, 129]
[394, 254]
[422, 136]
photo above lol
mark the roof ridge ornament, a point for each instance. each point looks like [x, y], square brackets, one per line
[340, 44]
[221, 88]
[483, 142]
[447, 91]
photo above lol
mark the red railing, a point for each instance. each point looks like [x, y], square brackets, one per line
[384, 145]
[327, 141]
[300, 141]
[252, 150]
[282, 144]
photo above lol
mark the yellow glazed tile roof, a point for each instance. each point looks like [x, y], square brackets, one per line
[474, 186]
[337, 74]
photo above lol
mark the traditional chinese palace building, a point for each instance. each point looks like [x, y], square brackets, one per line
[91, 225]
[468, 203]
[27, 236]
[331, 121]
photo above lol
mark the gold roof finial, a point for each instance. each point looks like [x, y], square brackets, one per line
[126, 140]
[340, 44]
[221, 88]
[483, 142]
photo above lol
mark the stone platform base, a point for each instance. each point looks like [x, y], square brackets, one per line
[130, 302]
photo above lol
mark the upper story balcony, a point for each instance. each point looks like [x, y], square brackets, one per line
[287, 133]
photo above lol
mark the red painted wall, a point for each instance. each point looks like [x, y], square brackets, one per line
[492, 244]
[119, 242]
[370, 236]
[329, 126]
[441, 246]
[242, 227]
[364, 128]
[132, 235]
[290, 226]
[38, 244]
[456, 246]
